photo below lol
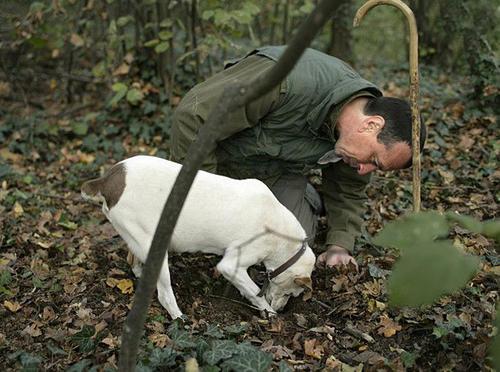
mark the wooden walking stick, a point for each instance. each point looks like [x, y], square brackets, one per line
[414, 84]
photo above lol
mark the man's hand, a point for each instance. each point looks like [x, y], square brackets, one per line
[335, 255]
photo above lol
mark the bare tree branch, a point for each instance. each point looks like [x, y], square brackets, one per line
[234, 96]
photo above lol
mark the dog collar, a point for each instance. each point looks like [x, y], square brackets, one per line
[273, 274]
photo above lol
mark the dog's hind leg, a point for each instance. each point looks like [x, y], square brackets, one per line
[135, 264]
[166, 294]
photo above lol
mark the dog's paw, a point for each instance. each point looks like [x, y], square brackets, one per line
[265, 314]
[182, 318]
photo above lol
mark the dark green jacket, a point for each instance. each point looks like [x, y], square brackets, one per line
[286, 131]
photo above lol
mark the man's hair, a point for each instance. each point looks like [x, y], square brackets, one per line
[398, 124]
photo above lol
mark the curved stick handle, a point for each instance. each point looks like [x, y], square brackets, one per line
[414, 84]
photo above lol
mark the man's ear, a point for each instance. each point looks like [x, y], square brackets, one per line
[329, 157]
[372, 124]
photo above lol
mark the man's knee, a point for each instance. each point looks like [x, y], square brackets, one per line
[296, 194]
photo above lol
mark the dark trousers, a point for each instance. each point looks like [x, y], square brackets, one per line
[301, 198]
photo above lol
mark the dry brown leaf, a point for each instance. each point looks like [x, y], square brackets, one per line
[5, 89]
[112, 282]
[313, 348]
[32, 330]
[40, 268]
[466, 142]
[159, 340]
[276, 325]
[111, 341]
[17, 209]
[123, 69]
[126, 286]
[387, 326]
[76, 40]
[7, 155]
[12, 306]
[48, 314]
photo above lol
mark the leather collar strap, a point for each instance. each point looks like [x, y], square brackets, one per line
[273, 274]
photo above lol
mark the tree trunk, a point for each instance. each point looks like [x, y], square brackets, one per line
[341, 31]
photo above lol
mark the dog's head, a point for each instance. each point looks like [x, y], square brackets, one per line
[292, 282]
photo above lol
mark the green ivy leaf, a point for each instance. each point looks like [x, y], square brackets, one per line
[55, 350]
[165, 35]
[162, 47]
[67, 224]
[123, 21]
[207, 14]
[255, 361]
[427, 271]
[119, 87]
[151, 43]
[134, 96]
[29, 362]
[81, 366]
[221, 349]
[80, 128]
[405, 232]
[212, 331]
[167, 22]
[121, 91]
[236, 329]
[284, 367]
[181, 338]
[5, 278]
[201, 346]
[84, 339]
[162, 357]
[408, 359]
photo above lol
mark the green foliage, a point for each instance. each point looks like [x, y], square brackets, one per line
[214, 350]
[84, 339]
[419, 278]
[29, 362]
[430, 266]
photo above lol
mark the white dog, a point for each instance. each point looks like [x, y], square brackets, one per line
[221, 215]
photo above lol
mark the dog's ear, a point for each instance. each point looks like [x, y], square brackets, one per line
[306, 283]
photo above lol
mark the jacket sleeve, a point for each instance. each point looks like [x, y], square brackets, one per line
[195, 107]
[344, 194]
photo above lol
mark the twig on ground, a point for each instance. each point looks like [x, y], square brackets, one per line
[235, 301]
[328, 307]
[358, 334]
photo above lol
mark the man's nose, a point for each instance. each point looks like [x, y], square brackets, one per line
[366, 168]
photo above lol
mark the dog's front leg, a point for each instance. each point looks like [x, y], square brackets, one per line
[242, 281]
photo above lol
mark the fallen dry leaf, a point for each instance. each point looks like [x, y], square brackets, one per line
[123, 69]
[32, 330]
[313, 348]
[76, 40]
[387, 326]
[17, 209]
[12, 306]
[126, 286]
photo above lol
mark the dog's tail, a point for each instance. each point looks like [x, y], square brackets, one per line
[108, 188]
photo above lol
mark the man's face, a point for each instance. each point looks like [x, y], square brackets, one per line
[361, 150]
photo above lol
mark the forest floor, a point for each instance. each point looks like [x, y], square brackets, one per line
[66, 287]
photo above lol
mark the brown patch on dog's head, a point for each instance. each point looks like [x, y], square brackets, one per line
[110, 186]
